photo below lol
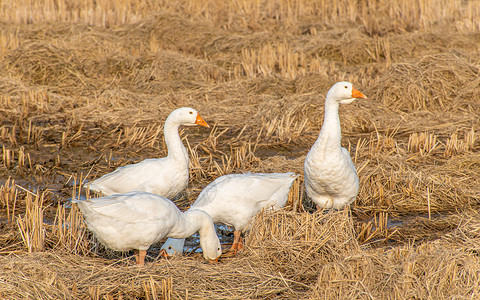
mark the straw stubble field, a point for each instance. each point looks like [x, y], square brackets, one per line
[85, 87]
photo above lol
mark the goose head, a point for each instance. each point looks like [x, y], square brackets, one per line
[186, 116]
[211, 248]
[343, 92]
[208, 236]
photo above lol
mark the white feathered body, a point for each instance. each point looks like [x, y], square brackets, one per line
[122, 222]
[166, 176]
[331, 179]
[163, 176]
[235, 199]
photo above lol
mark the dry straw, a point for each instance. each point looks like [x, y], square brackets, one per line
[68, 232]
[296, 243]
[431, 83]
[78, 99]
[31, 225]
[404, 14]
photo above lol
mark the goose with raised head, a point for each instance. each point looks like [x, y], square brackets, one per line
[331, 180]
[166, 176]
[136, 220]
[235, 199]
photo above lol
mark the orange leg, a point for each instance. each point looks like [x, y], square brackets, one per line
[240, 242]
[140, 256]
[237, 241]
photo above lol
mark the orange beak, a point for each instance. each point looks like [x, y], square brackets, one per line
[357, 94]
[214, 260]
[201, 122]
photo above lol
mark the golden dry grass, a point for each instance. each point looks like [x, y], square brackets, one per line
[85, 87]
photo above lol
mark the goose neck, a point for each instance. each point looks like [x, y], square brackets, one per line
[174, 144]
[208, 236]
[331, 130]
[192, 221]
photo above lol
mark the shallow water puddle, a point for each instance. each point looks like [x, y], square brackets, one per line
[225, 235]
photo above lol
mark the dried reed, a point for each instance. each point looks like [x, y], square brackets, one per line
[297, 242]
[406, 15]
[69, 232]
[8, 198]
[429, 83]
[31, 225]
[78, 99]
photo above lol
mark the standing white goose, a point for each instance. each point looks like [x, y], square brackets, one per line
[330, 176]
[137, 220]
[235, 199]
[166, 176]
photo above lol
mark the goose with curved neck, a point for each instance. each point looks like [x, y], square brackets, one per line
[331, 180]
[165, 176]
[136, 220]
[235, 199]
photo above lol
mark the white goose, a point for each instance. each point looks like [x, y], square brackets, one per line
[235, 199]
[330, 176]
[137, 220]
[165, 176]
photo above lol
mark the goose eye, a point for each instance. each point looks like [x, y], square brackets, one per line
[191, 112]
[346, 87]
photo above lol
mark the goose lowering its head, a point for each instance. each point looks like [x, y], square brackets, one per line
[235, 199]
[136, 220]
[166, 176]
[331, 179]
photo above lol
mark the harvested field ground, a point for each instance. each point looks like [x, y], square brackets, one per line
[85, 87]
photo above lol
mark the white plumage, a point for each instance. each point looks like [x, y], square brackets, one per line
[331, 179]
[165, 176]
[235, 199]
[136, 220]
